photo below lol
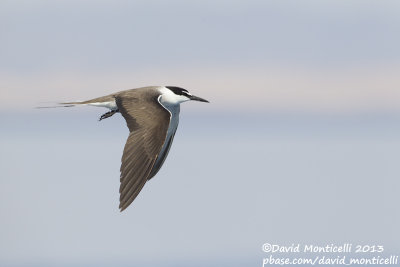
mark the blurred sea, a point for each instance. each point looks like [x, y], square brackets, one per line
[231, 183]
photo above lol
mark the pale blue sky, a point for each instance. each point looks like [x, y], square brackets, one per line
[330, 55]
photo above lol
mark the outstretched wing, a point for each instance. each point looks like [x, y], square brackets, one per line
[163, 155]
[148, 123]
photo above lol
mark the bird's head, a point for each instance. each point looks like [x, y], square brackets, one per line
[175, 95]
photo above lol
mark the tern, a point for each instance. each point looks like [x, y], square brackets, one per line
[152, 115]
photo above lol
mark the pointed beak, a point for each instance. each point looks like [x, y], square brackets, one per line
[196, 98]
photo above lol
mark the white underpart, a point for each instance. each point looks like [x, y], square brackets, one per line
[110, 105]
[173, 125]
[170, 102]
[174, 119]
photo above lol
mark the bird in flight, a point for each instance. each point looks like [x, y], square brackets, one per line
[152, 116]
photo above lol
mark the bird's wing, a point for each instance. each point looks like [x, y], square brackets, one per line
[162, 157]
[148, 123]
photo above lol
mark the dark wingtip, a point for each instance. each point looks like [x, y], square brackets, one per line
[121, 208]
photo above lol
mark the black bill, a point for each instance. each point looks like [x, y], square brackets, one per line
[196, 98]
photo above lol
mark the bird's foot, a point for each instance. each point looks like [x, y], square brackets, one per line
[108, 114]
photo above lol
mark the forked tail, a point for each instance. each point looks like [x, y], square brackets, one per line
[63, 105]
[109, 104]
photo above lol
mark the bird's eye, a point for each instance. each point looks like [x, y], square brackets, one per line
[179, 91]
